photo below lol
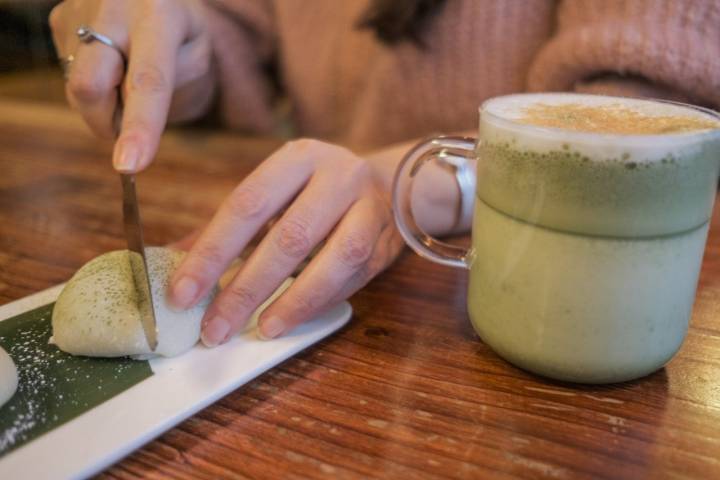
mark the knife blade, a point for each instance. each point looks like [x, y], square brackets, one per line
[138, 260]
[133, 234]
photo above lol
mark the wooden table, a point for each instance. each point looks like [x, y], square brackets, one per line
[406, 391]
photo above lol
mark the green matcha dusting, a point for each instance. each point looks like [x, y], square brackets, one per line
[567, 190]
[613, 118]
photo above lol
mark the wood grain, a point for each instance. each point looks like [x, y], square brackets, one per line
[406, 391]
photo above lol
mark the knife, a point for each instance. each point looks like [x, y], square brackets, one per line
[138, 261]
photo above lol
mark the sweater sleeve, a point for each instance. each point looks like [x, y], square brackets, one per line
[652, 48]
[243, 44]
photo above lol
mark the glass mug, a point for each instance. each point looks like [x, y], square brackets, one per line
[586, 247]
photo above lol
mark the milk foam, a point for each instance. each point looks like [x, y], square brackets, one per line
[513, 107]
[501, 117]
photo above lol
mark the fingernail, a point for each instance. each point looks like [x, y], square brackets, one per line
[184, 292]
[215, 331]
[271, 328]
[126, 157]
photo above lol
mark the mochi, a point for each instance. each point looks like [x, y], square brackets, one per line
[8, 377]
[98, 313]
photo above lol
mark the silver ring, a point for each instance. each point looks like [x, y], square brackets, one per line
[86, 34]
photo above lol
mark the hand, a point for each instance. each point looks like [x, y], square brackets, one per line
[168, 72]
[333, 195]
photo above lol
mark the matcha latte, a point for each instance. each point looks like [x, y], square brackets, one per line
[590, 221]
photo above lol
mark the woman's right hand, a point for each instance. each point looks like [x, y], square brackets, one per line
[169, 73]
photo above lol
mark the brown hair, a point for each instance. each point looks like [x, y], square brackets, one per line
[394, 21]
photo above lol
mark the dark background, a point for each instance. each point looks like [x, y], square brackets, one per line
[28, 65]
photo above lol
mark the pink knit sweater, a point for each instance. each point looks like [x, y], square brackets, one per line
[347, 87]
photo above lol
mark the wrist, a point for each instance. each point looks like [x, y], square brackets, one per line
[442, 196]
[463, 171]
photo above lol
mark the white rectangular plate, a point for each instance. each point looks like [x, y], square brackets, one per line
[178, 388]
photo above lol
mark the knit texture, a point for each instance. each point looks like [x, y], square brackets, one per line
[345, 86]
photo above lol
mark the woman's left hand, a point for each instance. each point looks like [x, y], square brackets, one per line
[327, 194]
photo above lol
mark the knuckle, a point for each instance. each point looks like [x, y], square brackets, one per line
[305, 304]
[355, 250]
[210, 254]
[292, 238]
[301, 144]
[356, 173]
[360, 279]
[248, 200]
[361, 168]
[306, 146]
[359, 165]
[238, 295]
[86, 88]
[345, 152]
[148, 79]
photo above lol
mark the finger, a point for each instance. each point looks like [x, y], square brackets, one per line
[154, 41]
[291, 239]
[58, 28]
[191, 101]
[243, 213]
[193, 60]
[193, 93]
[388, 246]
[344, 259]
[64, 19]
[96, 69]
[92, 85]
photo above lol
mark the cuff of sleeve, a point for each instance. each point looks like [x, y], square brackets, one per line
[648, 51]
[628, 86]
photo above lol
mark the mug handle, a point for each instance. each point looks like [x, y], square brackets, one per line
[446, 150]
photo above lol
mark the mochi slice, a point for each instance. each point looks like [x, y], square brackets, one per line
[98, 312]
[8, 377]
